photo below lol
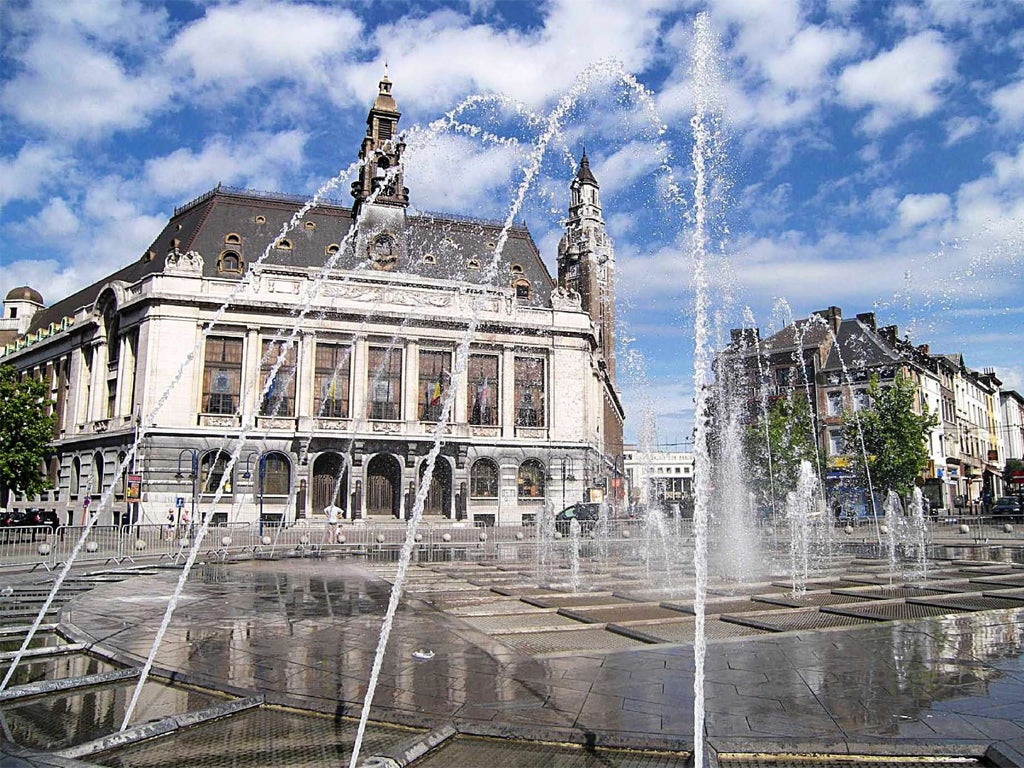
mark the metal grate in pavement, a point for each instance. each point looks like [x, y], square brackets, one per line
[884, 611]
[795, 620]
[258, 738]
[470, 752]
[519, 622]
[587, 639]
[897, 591]
[844, 761]
[573, 601]
[494, 607]
[620, 612]
[971, 602]
[682, 630]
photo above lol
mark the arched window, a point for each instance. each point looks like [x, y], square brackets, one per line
[277, 474]
[96, 477]
[530, 480]
[232, 239]
[120, 479]
[212, 468]
[229, 261]
[522, 288]
[284, 244]
[75, 481]
[483, 479]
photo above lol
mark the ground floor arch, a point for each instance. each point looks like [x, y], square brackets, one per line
[330, 483]
[384, 486]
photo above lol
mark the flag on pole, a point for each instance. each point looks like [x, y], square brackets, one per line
[435, 393]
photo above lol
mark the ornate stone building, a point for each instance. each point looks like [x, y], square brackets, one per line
[318, 348]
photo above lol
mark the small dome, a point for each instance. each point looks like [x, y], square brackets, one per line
[24, 293]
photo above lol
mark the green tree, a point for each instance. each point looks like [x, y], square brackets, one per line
[25, 433]
[775, 452]
[888, 439]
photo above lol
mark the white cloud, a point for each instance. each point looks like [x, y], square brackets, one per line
[457, 174]
[920, 209]
[960, 128]
[235, 47]
[257, 160]
[440, 57]
[635, 160]
[54, 222]
[900, 83]
[69, 88]
[35, 168]
[1008, 103]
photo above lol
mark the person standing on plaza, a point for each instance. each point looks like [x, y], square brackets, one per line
[333, 512]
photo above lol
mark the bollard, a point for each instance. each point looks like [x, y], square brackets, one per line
[848, 530]
[140, 544]
[520, 536]
[483, 537]
[965, 528]
[91, 546]
[226, 541]
[446, 537]
[625, 534]
[381, 538]
[265, 541]
[883, 529]
[44, 549]
[418, 538]
[1007, 528]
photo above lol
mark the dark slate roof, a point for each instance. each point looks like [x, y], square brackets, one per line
[858, 346]
[805, 333]
[584, 173]
[438, 245]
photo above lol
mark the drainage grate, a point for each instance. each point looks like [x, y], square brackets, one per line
[470, 751]
[620, 612]
[972, 602]
[259, 738]
[890, 611]
[844, 761]
[520, 622]
[718, 607]
[494, 607]
[682, 631]
[573, 601]
[789, 621]
[898, 591]
[568, 640]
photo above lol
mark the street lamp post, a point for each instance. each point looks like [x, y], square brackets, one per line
[566, 473]
[194, 475]
[261, 472]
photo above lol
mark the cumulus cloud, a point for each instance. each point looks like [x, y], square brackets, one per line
[1008, 102]
[960, 128]
[235, 47]
[920, 209]
[258, 160]
[54, 222]
[70, 88]
[33, 169]
[902, 83]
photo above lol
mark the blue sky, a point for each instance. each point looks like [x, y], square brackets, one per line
[874, 151]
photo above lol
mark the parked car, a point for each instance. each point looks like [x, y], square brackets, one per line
[15, 522]
[585, 512]
[1008, 506]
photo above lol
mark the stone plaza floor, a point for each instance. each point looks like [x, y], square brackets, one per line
[485, 668]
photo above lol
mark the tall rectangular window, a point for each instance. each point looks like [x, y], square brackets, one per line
[331, 380]
[835, 403]
[529, 391]
[483, 390]
[385, 383]
[279, 397]
[434, 380]
[222, 374]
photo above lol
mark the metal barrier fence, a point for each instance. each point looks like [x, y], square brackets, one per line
[42, 547]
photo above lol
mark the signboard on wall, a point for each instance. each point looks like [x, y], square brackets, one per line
[133, 489]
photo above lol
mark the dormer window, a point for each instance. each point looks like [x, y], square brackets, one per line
[522, 288]
[229, 261]
[332, 249]
[429, 258]
[260, 219]
[473, 264]
[516, 269]
[310, 225]
[232, 239]
[283, 244]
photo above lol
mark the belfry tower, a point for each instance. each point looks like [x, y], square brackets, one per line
[586, 259]
[381, 150]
